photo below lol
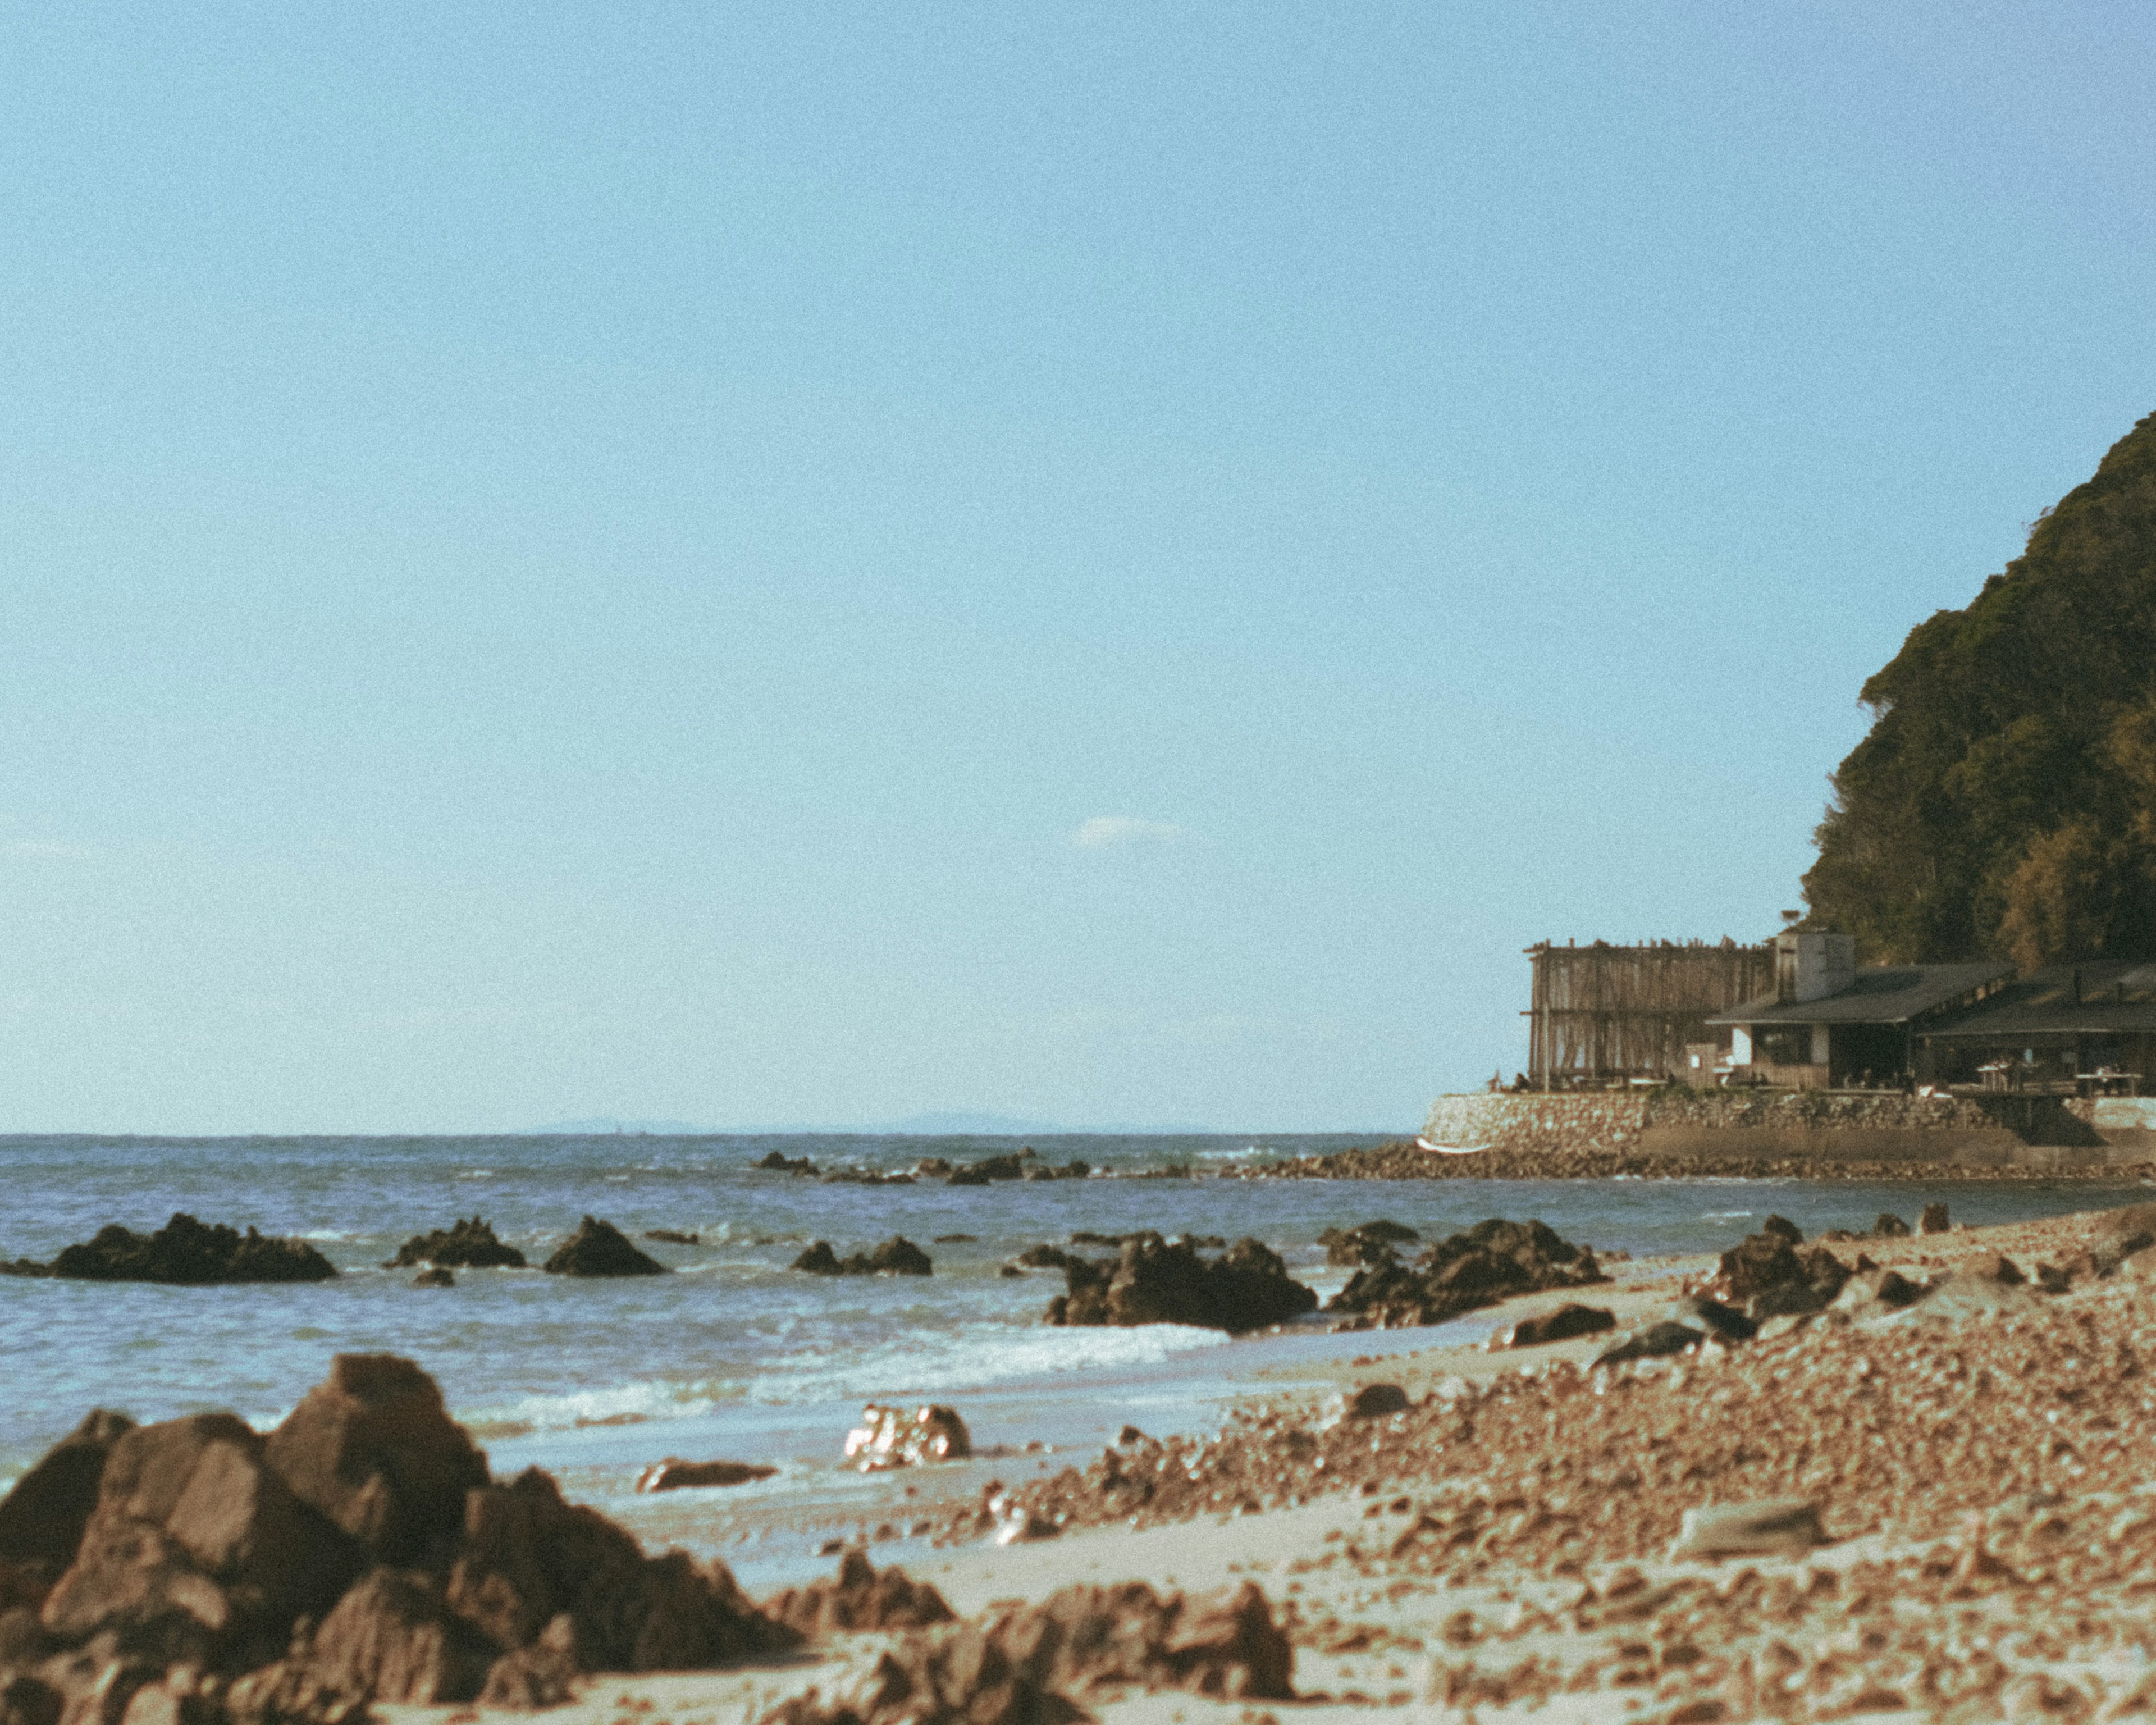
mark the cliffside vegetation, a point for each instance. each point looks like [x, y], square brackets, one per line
[2004, 800]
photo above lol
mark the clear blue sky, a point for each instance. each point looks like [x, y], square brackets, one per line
[567, 561]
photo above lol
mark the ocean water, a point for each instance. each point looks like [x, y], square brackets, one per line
[735, 1354]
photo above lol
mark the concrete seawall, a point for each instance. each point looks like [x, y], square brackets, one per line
[1824, 1128]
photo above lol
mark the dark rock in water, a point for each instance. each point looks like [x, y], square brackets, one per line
[1561, 1325]
[956, 1239]
[197, 1552]
[25, 1266]
[1489, 1262]
[1010, 1272]
[43, 1517]
[779, 1162]
[1370, 1243]
[896, 1256]
[1153, 1281]
[464, 1245]
[1767, 1273]
[600, 1248]
[1889, 1226]
[1047, 1257]
[675, 1474]
[673, 1236]
[1933, 1220]
[1726, 1321]
[392, 1638]
[1656, 1342]
[933, 1165]
[187, 1252]
[527, 1558]
[1086, 1236]
[435, 1279]
[964, 1176]
[861, 1598]
[373, 1449]
[864, 1177]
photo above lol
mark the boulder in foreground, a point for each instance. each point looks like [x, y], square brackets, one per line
[374, 1450]
[600, 1248]
[891, 1437]
[1152, 1280]
[190, 1253]
[463, 1245]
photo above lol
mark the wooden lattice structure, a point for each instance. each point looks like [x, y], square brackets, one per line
[1601, 1012]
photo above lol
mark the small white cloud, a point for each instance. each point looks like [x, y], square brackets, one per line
[1104, 829]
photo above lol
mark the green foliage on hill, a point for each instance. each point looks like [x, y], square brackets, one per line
[2004, 800]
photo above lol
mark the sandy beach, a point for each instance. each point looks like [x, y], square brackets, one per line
[1978, 1464]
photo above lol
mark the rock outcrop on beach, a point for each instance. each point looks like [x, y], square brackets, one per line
[1032, 1664]
[1568, 1321]
[1773, 1272]
[896, 1256]
[463, 1245]
[861, 1597]
[895, 1437]
[675, 1474]
[600, 1248]
[185, 1252]
[359, 1553]
[777, 1162]
[1152, 1280]
[1489, 1262]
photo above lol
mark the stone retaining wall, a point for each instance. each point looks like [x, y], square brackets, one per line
[1803, 1127]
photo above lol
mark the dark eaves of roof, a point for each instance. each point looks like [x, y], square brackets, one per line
[2086, 999]
[1882, 994]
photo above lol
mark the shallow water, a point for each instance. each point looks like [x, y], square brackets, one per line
[735, 1354]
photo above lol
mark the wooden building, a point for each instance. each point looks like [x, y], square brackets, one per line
[1601, 1012]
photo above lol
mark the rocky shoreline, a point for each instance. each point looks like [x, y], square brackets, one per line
[1807, 1479]
[1404, 1159]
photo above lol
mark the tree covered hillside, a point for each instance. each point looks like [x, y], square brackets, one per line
[2004, 800]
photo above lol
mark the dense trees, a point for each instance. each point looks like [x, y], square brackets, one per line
[2004, 800]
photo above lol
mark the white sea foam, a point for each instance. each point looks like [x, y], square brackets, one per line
[620, 1404]
[979, 1355]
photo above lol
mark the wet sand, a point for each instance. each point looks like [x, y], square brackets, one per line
[1500, 1547]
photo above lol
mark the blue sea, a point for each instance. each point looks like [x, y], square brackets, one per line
[735, 1354]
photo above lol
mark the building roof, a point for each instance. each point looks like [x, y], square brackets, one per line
[1882, 994]
[2084, 999]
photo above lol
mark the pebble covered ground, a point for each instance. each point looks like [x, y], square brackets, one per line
[1984, 1470]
